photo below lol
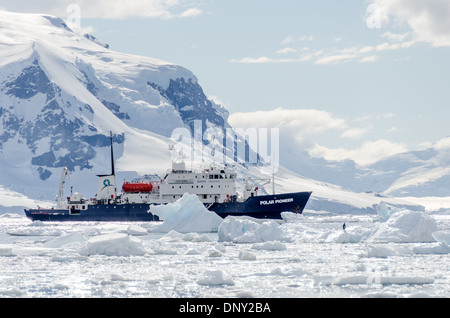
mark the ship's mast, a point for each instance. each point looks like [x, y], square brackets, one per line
[273, 174]
[113, 173]
[59, 197]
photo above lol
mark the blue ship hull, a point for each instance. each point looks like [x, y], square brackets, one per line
[264, 207]
[261, 207]
[96, 213]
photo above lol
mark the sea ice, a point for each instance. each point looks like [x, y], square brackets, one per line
[383, 280]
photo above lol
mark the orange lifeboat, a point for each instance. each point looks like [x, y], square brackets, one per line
[137, 187]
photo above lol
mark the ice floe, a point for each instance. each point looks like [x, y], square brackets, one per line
[246, 230]
[113, 245]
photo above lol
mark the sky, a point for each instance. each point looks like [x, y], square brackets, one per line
[344, 79]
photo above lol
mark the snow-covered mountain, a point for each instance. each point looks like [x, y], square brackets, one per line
[421, 173]
[61, 93]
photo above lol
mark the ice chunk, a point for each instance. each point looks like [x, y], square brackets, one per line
[195, 237]
[270, 246]
[70, 239]
[214, 278]
[6, 251]
[383, 212]
[442, 237]
[244, 230]
[186, 215]
[406, 227]
[353, 235]
[247, 256]
[136, 230]
[380, 251]
[172, 236]
[11, 292]
[214, 253]
[290, 217]
[113, 245]
[439, 248]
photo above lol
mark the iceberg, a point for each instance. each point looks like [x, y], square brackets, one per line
[406, 227]
[186, 215]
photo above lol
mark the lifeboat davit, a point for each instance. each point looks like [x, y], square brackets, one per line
[137, 187]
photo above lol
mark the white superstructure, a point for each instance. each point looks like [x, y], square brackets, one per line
[210, 185]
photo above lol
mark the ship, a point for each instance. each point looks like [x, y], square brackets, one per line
[215, 187]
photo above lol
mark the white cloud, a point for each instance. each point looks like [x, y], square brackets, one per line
[386, 46]
[372, 117]
[260, 60]
[396, 36]
[300, 127]
[393, 129]
[288, 40]
[335, 59]
[369, 152]
[192, 12]
[287, 50]
[355, 133]
[368, 59]
[307, 38]
[359, 54]
[428, 19]
[443, 144]
[107, 9]
[366, 49]
[297, 121]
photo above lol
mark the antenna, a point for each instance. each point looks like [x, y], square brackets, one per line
[273, 174]
[112, 155]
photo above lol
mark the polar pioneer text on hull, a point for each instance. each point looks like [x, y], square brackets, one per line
[215, 188]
